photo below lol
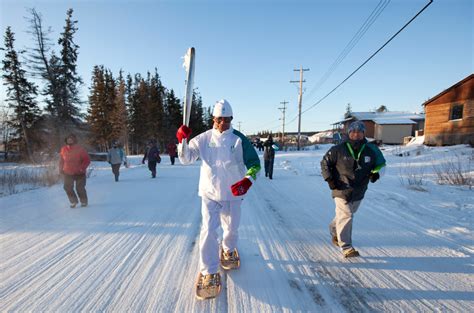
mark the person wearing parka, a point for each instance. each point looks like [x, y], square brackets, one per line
[347, 168]
[152, 154]
[73, 163]
[172, 151]
[269, 156]
[116, 156]
[229, 166]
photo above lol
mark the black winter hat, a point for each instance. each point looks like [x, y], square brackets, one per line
[72, 136]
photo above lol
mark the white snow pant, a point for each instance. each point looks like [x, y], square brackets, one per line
[341, 225]
[214, 214]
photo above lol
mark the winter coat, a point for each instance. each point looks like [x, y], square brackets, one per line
[116, 156]
[339, 166]
[171, 148]
[268, 150]
[73, 160]
[227, 157]
[152, 154]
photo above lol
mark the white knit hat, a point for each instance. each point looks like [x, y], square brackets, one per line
[222, 108]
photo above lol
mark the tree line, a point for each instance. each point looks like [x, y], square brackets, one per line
[131, 109]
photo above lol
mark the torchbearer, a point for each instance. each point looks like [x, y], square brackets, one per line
[229, 167]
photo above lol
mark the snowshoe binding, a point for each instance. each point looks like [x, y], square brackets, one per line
[208, 286]
[230, 259]
[350, 253]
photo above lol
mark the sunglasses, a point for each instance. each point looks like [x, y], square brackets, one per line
[223, 119]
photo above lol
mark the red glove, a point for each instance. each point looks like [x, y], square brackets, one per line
[183, 132]
[241, 187]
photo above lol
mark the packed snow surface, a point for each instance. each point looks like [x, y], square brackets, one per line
[135, 248]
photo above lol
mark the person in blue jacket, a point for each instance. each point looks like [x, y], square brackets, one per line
[347, 168]
[116, 156]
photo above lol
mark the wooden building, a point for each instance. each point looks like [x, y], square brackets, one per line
[450, 115]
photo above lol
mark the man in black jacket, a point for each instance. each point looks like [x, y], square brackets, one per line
[269, 156]
[152, 154]
[347, 168]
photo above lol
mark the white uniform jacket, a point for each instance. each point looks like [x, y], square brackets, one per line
[227, 157]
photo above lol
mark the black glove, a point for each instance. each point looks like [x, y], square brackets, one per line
[374, 177]
[332, 184]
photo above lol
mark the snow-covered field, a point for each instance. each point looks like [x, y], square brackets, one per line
[134, 249]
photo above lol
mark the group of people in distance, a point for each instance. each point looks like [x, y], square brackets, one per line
[229, 168]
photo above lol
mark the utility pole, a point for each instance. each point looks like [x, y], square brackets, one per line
[283, 110]
[300, 99]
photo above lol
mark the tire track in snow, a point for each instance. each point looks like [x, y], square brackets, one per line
[403, 284]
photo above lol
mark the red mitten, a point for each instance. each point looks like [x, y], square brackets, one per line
[241, 187]
[183, 132]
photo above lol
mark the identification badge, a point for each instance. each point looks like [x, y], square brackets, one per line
[367, 159]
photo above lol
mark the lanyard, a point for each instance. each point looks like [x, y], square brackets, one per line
[352, 152]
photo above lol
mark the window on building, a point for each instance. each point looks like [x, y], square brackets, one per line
[456, 112]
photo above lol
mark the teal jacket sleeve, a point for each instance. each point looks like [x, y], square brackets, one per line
[251, 159]
[379, 158]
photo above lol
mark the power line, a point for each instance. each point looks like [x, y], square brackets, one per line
[366, 61]
[352, 43]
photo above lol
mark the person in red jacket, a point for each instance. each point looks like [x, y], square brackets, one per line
[73, 163]
[172, 151]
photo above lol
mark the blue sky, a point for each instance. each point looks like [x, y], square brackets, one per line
[246, 51]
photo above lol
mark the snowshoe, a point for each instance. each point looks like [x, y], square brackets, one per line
[72, 205]
[230, 260]
[350, 253]
[208, 286]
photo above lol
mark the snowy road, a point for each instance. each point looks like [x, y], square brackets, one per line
[135, 247]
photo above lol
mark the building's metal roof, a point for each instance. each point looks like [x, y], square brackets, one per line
[393, 121]
[382, 116]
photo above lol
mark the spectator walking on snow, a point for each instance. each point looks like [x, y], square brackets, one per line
[172, 151]
[269, 156]
[73, 163]
[116, 157]
[229, 166]
[347, 168]
[152, 154]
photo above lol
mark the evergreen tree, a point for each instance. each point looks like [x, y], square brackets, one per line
[156, 109]
[119, 113]
[138, 113]
[46, 66]
[174, 115]
[109, 105]
[97, 112]
[130, 90]
[20, 95]
[196, 119]
[209, 122]
[381, 109]
[348, 111]
[69, 80]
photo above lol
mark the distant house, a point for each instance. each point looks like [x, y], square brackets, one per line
[326, 136]
[386, 127]
[450, 115]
